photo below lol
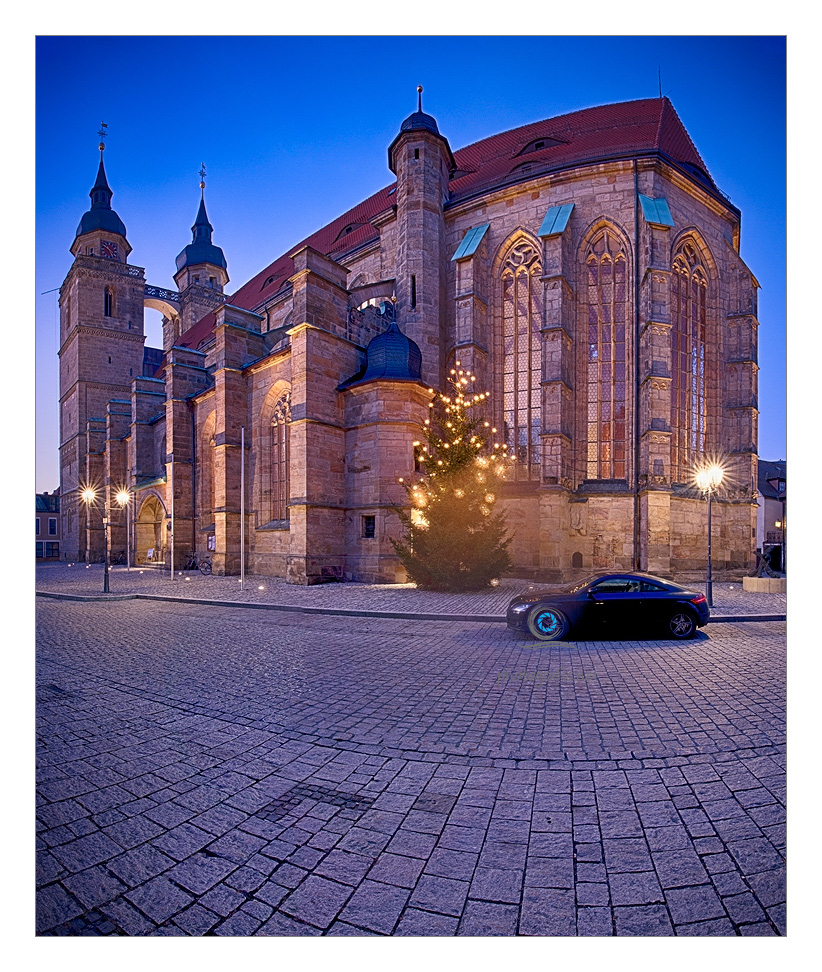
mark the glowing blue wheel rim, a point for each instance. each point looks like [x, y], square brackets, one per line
[548, 622]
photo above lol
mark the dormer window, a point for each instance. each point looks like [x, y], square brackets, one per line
[538, 144]
[346, 230]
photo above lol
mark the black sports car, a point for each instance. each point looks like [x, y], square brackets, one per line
[610, 601]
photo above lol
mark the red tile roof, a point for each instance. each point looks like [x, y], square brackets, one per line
[608, 131]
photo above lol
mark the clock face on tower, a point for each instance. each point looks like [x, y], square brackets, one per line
[108, 249]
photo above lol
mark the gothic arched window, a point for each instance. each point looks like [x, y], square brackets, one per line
[108, 302]
[280, 456]
[522, 358]
[606, 294]
[689, 292]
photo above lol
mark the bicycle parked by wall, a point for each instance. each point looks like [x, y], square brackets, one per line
[204, 565]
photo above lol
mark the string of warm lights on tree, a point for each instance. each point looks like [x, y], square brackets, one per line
[453, 536]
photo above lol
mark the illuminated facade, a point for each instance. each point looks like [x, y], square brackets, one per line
[586, 268]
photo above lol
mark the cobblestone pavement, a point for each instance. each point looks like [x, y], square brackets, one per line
[223, 771]
[729, 599]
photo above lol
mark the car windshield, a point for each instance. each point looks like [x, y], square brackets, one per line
[585, 582]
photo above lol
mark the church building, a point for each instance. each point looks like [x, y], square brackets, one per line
[585, 268]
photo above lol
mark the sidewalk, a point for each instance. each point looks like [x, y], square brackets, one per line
[731, 602]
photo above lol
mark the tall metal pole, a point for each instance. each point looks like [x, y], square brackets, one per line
[172, 515]
[242, 508]
[710, 584]
[105, 547]
[128, 533]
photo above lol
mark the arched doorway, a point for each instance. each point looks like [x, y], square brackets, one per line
[151, 532]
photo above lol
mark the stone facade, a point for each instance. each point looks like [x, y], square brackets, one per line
[597, 293]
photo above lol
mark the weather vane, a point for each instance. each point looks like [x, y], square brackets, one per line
[102, 133]
[202, 175]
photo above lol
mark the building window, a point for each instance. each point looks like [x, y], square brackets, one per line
[39, 546]
[52, 526]
[37, 526]
[689, 292]
[369, 527]
[53, 550]
[280, 458]
[108, 302]
[606, 296]
[522, 358]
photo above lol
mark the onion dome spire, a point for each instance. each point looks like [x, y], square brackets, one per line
[201, 249]
[101, 216]
[419, 121]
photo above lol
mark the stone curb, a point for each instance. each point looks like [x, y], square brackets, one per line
[297, 609]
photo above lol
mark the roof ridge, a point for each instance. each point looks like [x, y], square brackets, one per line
[553, 118]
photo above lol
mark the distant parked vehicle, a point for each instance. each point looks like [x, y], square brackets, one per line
[610, 603]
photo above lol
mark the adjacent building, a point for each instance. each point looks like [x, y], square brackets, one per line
[47, 525]
[772, 500]
[586, 268]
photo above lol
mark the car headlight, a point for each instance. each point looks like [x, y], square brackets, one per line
[519, 608]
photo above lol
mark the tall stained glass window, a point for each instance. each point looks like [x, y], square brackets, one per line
[607, 311]
[522, 358]
[280, 450]
[689, 292]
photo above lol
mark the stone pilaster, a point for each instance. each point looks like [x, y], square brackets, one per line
[118, 420]
[238, 342]
[95, 477]
[383, 419]
[185, 376]
[473, 338]
[317, 441]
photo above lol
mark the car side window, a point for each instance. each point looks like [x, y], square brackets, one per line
[647, 587]
[617, 587]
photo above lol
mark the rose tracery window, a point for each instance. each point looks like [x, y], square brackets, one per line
[280, 457]
[689, 289]
[607, 300]
[522, 358]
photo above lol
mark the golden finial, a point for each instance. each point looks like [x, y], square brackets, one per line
[419, 97]
[202, 175]
[102, 133]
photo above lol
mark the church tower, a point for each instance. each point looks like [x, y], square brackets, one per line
[101, 350]
[202, 273]
[422, 160]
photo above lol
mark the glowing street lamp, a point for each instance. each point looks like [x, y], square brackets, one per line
[88, 496]
[708, 480]
[123, 498]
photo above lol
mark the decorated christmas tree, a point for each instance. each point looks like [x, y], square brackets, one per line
[454, 538]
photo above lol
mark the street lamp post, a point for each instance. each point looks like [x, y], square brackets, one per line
[124, 500]
[105, 548]
[709, 480]
[88, 496]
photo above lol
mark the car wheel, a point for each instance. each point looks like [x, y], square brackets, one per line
[682, 625]
[547, 624]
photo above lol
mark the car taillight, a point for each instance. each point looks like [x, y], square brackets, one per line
[699, 599]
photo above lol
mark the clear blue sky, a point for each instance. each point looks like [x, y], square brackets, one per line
[295, 130]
